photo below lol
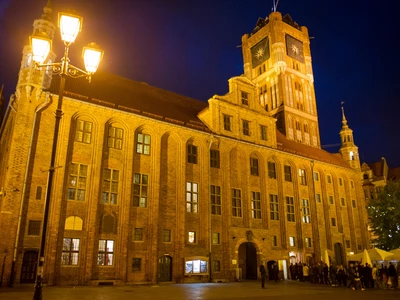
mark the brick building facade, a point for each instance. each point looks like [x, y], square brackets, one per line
[154, 186]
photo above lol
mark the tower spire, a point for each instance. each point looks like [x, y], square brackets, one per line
[348, 149]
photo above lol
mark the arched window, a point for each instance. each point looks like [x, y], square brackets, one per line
[73, 223]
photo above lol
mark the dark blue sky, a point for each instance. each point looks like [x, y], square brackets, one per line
[191, 47]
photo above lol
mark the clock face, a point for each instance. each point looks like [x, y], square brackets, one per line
[294, 48]
[260, 52]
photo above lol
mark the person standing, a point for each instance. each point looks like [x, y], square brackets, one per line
[263, 273]
[305, 273]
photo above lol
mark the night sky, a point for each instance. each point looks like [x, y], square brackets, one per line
[192, 47]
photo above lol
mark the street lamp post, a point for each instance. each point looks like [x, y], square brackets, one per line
[70, 25]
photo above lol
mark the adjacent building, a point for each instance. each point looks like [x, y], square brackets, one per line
[153, 186]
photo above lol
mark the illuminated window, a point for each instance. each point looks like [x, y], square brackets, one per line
[292, 241]
[191, 197]
[236, 203]
[83, 132]
[302, 176]
[105, 256]
[140, 188]
[196, 266]
[110, 186]
[192, 237]
[77, 182]
[215, 194]
[70, 251]
[143, 144]
[306, 211]
[115, 136]
[255, 205]
[307, 241]
[351, 155]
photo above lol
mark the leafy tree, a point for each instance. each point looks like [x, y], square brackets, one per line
[384, 217]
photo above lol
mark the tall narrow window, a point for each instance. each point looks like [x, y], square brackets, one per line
[215, 194]
[329, 178]
[333, 220]
[246, 127]
[70, 252]
[316, 176]
[166, 236]
[216, 266]
[273, 207]
[318, 198]
[288, 173]
[214, 158]
[105, 255]
[290, 208]
[255, 205]
[307, 241]
[83, 132]
[38, 193]
[192, 154]
[331, 201]
[292, 241]
[340, 181]
[245, 98]
[191, 197]
[342, 201]
[77, 182]
[254, 166]
[115, 136]
[271, 170]
[306, 211]
[236, 203]
[143, 144]
[192, 237]
[263, 132]
[140, 188]
[302, 176]
[227, 122]
[353, 203]
[110, 186]
[274, 240]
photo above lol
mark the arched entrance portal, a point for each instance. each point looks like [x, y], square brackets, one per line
[164, 268]
[338, 253]
[248, 260]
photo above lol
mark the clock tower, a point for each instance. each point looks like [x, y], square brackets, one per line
[277, 59]
[348, 149]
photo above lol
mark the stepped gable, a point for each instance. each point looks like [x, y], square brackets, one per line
[307, 151]
[120, 93]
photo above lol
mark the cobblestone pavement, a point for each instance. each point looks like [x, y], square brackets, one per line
[249, 290]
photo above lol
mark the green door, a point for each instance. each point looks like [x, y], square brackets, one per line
[165, 268]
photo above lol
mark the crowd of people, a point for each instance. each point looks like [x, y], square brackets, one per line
[355, 276]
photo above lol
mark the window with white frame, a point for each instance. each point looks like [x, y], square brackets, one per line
[140, 188]
[256, 205]
[292, 241]
[77, 181]
[273, 207]
[83, 131]
[105, 256]
[115, 136]
[110, 186]
[143, 144]
[306, 211]
[192, 197]
[236, 203]
[215, 194]
[302, 176]
[70, 251]
[290, 209]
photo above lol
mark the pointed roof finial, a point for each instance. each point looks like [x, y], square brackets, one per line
[344, 121]
[47, 11]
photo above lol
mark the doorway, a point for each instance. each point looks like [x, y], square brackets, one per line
[338, 247]
[165, 268]
[248, 260]
[29, 263]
